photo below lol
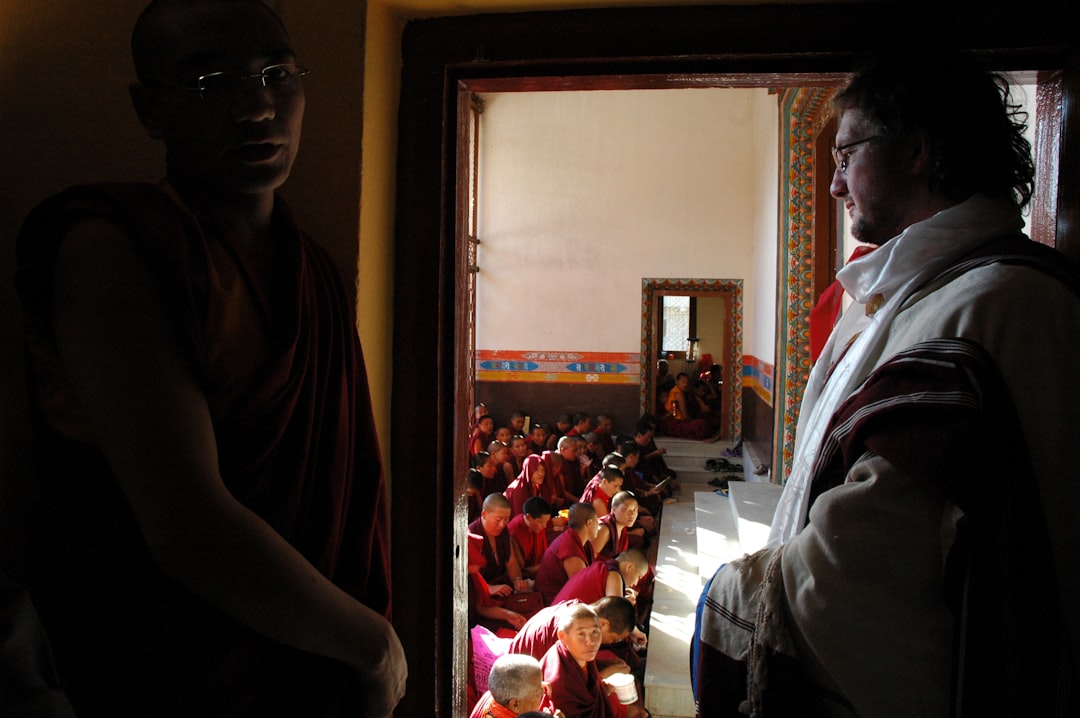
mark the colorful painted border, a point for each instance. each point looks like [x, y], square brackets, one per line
[757, 376]
[803, 112]
[557, 367]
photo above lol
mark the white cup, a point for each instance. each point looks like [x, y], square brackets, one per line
[625, 687]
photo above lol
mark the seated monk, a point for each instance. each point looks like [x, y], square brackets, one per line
[501, 569]
[538, 436]
[614, 577]
[616, 616]
[484, 608]
[497, 454]
[515, 686]
[570, 552]
[483, 433]
[685, 419]
[527, 484]
[570, 669]
[601, 488]
[519, 449]
[563, 473]
[613, 536]
[529, 533]
[563, 424]
[603, 433]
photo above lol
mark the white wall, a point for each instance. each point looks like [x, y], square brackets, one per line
[582, 194]
[759, 329]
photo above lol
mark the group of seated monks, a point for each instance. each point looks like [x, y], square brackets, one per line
[689, 410]
[559, 537]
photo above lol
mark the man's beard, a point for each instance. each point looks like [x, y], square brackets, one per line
[878, 225]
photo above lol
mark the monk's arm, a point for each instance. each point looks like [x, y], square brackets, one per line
[572, 565]
[139, 390]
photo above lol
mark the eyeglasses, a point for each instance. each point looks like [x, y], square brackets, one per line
[841, 153]
[283, 79]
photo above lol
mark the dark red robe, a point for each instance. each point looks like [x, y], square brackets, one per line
[281, 364]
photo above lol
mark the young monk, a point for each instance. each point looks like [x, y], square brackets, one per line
[570, 552]
[601, 488]
[613, 536]
[519, 449]
[528, 483]
[501, 568]
[614, 577]
[517, 422]
[484, 607]
[529, 532]
[538, 436]
[497, 454]
[482, 435]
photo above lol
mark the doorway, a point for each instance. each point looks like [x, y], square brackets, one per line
[651, 47]
[726, 295]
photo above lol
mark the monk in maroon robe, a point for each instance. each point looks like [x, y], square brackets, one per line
[212, 538]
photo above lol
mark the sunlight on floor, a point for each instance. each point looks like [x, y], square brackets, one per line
[679, 627]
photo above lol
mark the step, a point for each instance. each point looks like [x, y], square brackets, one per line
[676, 589]
[698, 534]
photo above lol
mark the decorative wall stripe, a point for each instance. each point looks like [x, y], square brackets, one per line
[757, 376]
[563, 367]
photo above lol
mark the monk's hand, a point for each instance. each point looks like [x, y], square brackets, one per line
[638, 639]
[616, 666]
[515, 619]
[500, 589]
[384, 680]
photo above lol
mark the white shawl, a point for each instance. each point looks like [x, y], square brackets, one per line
[894, 271]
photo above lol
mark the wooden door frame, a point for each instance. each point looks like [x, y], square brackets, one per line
[623, 47]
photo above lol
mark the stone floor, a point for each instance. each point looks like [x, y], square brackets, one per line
[698, 533]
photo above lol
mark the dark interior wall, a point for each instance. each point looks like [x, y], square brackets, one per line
[544, 402]
[758, 419]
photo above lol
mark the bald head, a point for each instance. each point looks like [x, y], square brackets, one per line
[159, 37]
[493, 502]
[515, 677]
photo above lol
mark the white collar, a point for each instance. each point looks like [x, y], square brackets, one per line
[927, 247]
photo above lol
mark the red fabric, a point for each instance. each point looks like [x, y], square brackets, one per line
[594, 491]
[553, 486]
[552, 576]
[496, 558]
[479, 441]
[533, 544]
[823, 315]
[590, 584]
[488, 707]
[521, 489]
[577, 691]
[618, 541]
[540, 632]
[297, 446]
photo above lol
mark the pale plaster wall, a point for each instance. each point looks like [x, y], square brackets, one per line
[759, 328]
[582, 194]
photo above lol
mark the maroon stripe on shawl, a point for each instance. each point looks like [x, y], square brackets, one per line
[941, 413]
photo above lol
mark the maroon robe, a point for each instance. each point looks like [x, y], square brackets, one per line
[281, 364]
[577, 691]
[552, 575]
